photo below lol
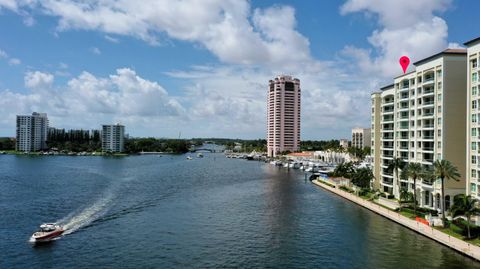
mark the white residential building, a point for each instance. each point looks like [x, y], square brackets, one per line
[32, 132]
[361, 137]
[344, 143]
[422, 119]
[113, 138]
[283, 115]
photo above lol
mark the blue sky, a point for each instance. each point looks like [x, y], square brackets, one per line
[201, 67]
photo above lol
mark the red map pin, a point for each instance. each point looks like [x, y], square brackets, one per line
[404, 62]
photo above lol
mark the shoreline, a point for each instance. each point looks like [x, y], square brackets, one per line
[461, 246]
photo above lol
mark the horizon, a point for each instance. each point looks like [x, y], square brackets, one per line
[207, 74]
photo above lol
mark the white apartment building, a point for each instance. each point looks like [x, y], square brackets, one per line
[344, 143]
[422, 119]
[283, 115]
[113, 138]
[473, 118]
[361, 137]
[32, 132]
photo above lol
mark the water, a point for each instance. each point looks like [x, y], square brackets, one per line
[152, 212]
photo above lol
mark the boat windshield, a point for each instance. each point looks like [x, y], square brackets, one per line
[47, 228]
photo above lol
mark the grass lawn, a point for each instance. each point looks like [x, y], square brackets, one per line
[455, 231]
[323, 182]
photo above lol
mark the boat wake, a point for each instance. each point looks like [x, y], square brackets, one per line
[84, 217]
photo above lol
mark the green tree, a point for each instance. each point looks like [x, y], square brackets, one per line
[362, 177]
[465, 205]
[405, 197]
[414, 171]
[395, 165]
[444, 169]
[346, 170]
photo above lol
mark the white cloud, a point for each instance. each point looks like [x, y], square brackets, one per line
[63, 65]
[111, 39]
[87, 101]
[3, 54]
[14, 61]
[407, 27]
[38, 80]
[223, 27]
[95, 50]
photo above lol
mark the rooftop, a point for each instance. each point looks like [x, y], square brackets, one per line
[471, 42]
[445, 52]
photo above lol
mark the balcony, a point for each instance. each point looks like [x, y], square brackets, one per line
[429, 103]
[428, 91]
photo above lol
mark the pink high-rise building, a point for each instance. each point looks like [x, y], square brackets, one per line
[283, 115]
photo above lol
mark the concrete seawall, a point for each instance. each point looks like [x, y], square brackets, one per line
[470, 250]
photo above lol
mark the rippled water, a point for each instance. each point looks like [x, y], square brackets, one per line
[147, 211]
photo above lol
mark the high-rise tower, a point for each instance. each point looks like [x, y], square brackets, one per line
[283, 115]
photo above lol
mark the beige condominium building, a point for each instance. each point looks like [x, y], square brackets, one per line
[361, 137]
[283, 115]
[421, 119]
[382, 134]
[473, 118]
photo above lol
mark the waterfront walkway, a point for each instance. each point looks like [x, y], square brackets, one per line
[455, 243]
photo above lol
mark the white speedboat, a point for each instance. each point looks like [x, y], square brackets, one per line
[189, 158]
[199, 155]
[47, 232]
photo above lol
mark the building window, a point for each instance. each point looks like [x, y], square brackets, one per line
[474, 159]
[474, 145]
[474, 77]
[474, 173]
[474, 90]
[474, 131]
[439, 98]
[474, 118]
[474, 63]
[439, 109]
[439, 146]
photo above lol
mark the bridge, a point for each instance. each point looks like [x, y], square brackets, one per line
[206, 150]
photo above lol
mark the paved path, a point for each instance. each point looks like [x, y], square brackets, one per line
[441, 237]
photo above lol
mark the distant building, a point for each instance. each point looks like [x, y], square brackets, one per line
[361, 137]
[344, 143]
[113, 137]
[283, 115]
[32, 132]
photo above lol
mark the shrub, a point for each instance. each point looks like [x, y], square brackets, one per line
[462, 225]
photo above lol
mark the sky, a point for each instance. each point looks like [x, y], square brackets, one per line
[200, 68]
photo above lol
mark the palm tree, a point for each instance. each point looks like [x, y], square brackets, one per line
[444, 169]
[414, 171]
[467, 206]
[405, 197]
[395, 165]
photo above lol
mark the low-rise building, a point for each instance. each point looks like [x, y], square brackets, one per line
[344, 143]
